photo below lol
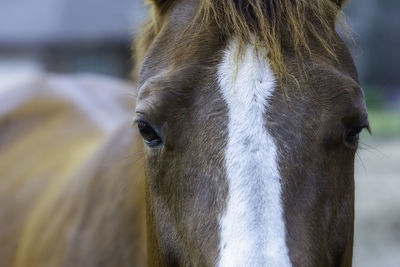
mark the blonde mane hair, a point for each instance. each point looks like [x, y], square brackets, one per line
[268, 25]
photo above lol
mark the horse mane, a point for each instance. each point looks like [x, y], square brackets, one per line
[270, 25]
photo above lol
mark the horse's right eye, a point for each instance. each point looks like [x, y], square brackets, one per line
[352, 135]
[149, 134]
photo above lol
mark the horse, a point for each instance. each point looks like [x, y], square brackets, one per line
[249, 113]
[71, 173]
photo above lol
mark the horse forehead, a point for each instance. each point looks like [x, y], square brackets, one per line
[333, 84]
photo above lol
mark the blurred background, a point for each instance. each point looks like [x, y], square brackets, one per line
[375, 30]
[94, 36]
[69, 36]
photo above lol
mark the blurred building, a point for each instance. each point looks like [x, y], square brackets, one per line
[375, 27]
[69, 35]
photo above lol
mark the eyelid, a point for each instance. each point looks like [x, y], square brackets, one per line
[365, 123]
[139, 116]
[368, 127]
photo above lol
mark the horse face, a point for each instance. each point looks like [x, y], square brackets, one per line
[241, 168]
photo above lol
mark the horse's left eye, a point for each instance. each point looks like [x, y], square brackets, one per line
[149, 134]
[351, 136]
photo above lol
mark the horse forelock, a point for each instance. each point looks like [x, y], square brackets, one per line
[271, 26]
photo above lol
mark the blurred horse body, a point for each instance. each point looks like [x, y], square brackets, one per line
[71, 173]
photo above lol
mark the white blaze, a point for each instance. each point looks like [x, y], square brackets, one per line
[252, 229]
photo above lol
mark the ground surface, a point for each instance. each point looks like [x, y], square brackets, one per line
[377, 234]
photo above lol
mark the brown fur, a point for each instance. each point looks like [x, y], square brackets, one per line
[178, 94]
